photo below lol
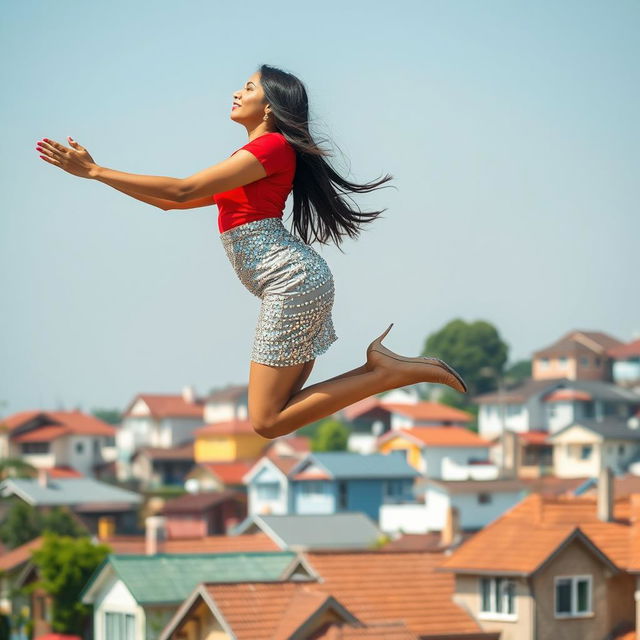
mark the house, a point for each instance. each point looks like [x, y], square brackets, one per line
[356, 594]
[550, 405]
[373, 417]
[331, 482]
[157, 420]
[216, 476]
[335, 531]
[578, 355]
[90, 500]
[141, 593]
[528, 454]
[449, 453]
[154, 467]
[553, 568]
[626, 364]
[57, 439]
[228, 441]
[584, 447]
[204, 514]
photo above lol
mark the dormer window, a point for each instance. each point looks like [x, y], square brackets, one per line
[573, 596]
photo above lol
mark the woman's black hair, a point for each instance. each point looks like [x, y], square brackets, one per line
[319, 211]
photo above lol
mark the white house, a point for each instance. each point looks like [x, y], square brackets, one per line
[477, 502]
[157, 420]
[585, 447]
[55, 440]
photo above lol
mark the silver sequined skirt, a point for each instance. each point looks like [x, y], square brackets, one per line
[296, 288]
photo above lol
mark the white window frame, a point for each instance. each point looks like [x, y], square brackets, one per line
[263, 490]
[313, 488]
[125, 616]
[493, 614]
[574, 613]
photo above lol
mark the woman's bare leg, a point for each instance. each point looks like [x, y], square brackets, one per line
[276, 410]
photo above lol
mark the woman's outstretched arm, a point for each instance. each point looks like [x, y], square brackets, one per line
[168, 205]
[238, 170]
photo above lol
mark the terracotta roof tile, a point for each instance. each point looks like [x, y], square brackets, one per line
[198, 502]
[14, 558]
[63, 472]
[391, 631]
[168, 406]
[53, 424]
[564, 395]
[210, 544]
[431, 411]
[225, 428]
[229, 472]
[439, 436]
[380, 586]
[628, 350]
[181, 452]
[524, 537]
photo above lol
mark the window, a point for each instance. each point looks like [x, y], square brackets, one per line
[342, 495]
[312, 488]
[563, 361]
[484, 498]
[119, 626]
[584, 361]
[397, 490]
[34, 447]
[544, 362]
[585, 451]
[573, 596]
[620, 449]
[498, 597]
[79, 447]
[597, 360]
[268, 491]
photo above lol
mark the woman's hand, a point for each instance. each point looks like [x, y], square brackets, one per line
[75, 160]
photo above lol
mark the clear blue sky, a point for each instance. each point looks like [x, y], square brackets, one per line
[511, 129]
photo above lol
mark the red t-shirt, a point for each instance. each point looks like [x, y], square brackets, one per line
[264, 198]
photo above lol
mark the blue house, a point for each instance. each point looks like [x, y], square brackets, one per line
[329, 483]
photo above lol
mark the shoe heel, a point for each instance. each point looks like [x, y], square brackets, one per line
[377, 342]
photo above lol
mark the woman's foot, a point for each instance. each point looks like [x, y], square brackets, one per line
[402, 371]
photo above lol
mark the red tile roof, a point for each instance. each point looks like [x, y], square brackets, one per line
[380, 586]
[229, 472]
[225, 428]
[182, 452]
[211, 544]
[57, 423]
[64, 472]
[431, 411]
[168, 406]
[285, 463]
[14, 558]
[564, 395]
[438, 437]
[198, 502]
[535, 438]
[522, 539]
[629, 350]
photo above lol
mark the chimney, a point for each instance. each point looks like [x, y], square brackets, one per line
[154, 530]
[450, 533]
[43, 478]
[605, 495]
[189, 394]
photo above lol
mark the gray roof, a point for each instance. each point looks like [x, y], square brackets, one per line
[608, 428]
[347, 464]
[66, 491]
[598, 389]
[351, 530]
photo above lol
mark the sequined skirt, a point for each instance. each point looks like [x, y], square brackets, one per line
[296, 288]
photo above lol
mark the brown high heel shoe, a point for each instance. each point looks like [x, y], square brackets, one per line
[437, 370]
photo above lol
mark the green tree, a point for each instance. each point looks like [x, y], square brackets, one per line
[110, 416]
[64, 566]
[469, 348]
[517, 372]
[332, 435]
[16, 468]
[24, 522]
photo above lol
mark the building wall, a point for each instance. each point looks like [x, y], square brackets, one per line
[575, 560]
[433, 458]
[475, 514]
[221, 448]
[516, 418]
[279, 505]
[115, 597]
[559, 415]
[567, 447]
[467, 595]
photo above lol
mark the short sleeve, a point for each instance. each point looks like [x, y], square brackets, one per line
[272, 150]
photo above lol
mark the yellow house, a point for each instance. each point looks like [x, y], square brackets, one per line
[227, 441]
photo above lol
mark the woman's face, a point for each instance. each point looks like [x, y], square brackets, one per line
[250, 99]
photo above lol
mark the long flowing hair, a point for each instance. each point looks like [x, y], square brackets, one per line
[320, 212]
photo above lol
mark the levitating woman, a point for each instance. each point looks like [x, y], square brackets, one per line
[292, 280]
